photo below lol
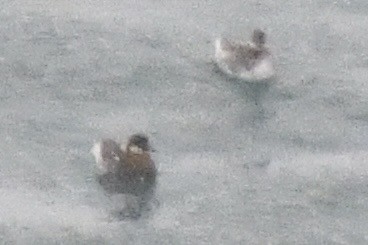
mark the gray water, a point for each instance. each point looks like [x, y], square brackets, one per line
[284, 163]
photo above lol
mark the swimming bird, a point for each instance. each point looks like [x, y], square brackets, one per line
[131, 171]
[250, 61]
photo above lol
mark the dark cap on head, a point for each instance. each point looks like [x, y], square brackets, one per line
[259, 37]
[139, 140]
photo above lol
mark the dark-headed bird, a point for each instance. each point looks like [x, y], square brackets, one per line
[130, 171]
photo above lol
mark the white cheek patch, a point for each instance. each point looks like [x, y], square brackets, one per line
[135, 149]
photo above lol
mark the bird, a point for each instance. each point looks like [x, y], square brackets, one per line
[129, 171]
[251, 61]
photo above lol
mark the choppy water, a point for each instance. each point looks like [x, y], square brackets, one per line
[239, 163]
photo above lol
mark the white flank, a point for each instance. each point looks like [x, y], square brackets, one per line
[135, 149]
[96, 152]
